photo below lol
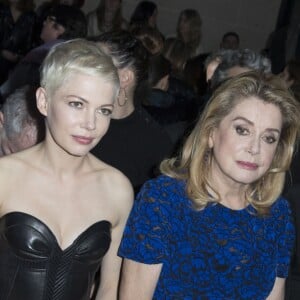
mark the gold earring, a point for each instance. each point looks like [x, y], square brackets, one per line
[125, 97]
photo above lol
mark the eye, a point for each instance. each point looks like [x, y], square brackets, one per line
[105, 111]
[270, 139]
[76, 104]
[241, 130]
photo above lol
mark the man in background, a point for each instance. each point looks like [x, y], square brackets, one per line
[21, 125]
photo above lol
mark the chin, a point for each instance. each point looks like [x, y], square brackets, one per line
[78, 153]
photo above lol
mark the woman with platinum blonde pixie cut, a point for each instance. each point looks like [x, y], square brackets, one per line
[66, 217]
[214, 225]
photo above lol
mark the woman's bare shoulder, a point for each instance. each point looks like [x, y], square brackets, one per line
[15, 167]
[114, 182]
[17, 160]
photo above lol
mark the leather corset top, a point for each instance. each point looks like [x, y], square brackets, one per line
[33, 266]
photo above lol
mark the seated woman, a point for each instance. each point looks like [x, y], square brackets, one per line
[62, 210]
[106, 17]
[144, 15]
[214, 226]
[189, 26]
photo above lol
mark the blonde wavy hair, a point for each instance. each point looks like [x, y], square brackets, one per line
[193, 164]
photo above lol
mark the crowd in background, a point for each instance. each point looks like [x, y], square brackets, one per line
[165, 82]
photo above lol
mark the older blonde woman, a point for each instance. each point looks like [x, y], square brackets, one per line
[214, 226]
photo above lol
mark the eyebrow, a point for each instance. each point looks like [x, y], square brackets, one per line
[86, 101]
[252, 124]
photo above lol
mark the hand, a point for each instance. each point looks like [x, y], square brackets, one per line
[11, 56]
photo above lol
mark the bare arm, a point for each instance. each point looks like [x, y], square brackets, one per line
[277, 292]
[122, 200]
[138, 280]
[110, 269]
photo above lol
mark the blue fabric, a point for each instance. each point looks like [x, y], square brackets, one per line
[215, 253]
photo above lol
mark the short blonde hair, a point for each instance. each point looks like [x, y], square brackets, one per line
[193, 164]
[76, 56]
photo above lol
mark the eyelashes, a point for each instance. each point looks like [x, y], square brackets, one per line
[244, 131]
[105, 111]
[240, 130]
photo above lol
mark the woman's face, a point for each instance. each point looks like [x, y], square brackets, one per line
[153, 19]
[245, 142]
[183, 26]
[78, 114]
[51, 30]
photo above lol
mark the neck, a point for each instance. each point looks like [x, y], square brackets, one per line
[58, 161]
[123, 108]
[232, 194]
[233, 200]
[122, 112]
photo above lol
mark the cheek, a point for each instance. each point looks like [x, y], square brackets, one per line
[103, 125]
[268, 155]
[62, 115]
[222, 141]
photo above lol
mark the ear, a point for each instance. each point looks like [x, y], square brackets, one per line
[211, 139]
[126, 77]
[1, 119]
[41, 101]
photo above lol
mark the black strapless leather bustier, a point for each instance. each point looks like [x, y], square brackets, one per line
[34, 267]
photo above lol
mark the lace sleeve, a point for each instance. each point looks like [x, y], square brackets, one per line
[286, 241]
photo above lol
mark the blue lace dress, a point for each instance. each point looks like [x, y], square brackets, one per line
[216, 253]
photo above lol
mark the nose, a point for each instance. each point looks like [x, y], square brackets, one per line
[254, 146]
[89, 121]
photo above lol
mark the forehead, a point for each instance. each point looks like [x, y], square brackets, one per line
[85, 84]
[258, 112]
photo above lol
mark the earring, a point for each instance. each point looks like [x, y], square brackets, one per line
[207, 155]
[125, 97]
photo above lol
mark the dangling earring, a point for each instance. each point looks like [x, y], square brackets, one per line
[125, 97]
[207, 155]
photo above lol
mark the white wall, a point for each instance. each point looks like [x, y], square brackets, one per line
[254, 20]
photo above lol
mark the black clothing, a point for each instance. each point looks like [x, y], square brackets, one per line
[176, 110]
[135, 145]
[186, 102]
[293, 280]
[16, 37]
[34, 267]
[163, 109]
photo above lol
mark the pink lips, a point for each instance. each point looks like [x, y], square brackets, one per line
[247, 165]
[83, 140]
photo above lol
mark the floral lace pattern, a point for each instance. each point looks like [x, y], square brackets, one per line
[216, 253]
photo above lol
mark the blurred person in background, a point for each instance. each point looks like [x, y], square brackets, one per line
[21, 124]
[230, 40]
[189, 26]
[17, 33]
[63, 23]
[144, 15]
[132, 130]
[106, 17]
